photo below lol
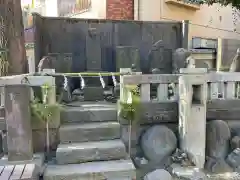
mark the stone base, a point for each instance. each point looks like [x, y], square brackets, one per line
[93, 94]
[120, 169]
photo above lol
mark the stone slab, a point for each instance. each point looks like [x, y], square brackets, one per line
[155, 112]
[223, 109]
[39, 140]
[158, 112]
[90, 151]
[19, 132]
[89, 114]
[89, 132]
[217, 139]
[120, 169]
[93, 93]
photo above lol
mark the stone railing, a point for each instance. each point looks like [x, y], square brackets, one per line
[16, 124]
[222, 93]
[221, 85]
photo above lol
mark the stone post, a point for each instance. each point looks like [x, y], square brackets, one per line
[192, 113]
[19, 131]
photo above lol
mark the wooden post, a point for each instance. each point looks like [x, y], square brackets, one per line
[19, 136]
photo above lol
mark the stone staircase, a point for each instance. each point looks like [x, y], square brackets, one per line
[90, 146]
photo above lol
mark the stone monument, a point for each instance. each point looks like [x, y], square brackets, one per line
[235, 65]
[192, 113]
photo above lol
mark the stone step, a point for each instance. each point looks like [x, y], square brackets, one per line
[74, 133]
[111, 170]
[90, 151]
[96, 113]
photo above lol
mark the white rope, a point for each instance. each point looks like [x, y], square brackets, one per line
[114, 80]
[65, 83]
[82, 82]
[102, 81]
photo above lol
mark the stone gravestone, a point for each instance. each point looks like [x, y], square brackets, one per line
[126, 56]
[19, 131]
[218, 136]
[179, 60]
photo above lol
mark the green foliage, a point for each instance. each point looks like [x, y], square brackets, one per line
[43, 111]
[234, 3]
[129, 110]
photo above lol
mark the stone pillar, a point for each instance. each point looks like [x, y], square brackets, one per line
[19, 131]
[192, 113]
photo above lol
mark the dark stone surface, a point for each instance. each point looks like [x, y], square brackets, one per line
[187, 173]
[158, 174]
[126, 56]
[217, 139]
[93, 93]
[233, 159]
[223, 109]
[18, 121]
[158, 142]
[235, 142]
[217, 165]
[179, 59]
[39, 140]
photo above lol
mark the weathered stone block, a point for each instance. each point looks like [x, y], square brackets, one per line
[155, 112]
[217, 139]
[179, 59]
[188, 173]
[18, 122]
[89, 132]
[120, 169]
[91, 113]
[90, 151]
[159, 174]
[126, 56]
[93, 93]
[235, 142]
[40, 140]
[233, 159]
[217, 165]
[158, 142]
